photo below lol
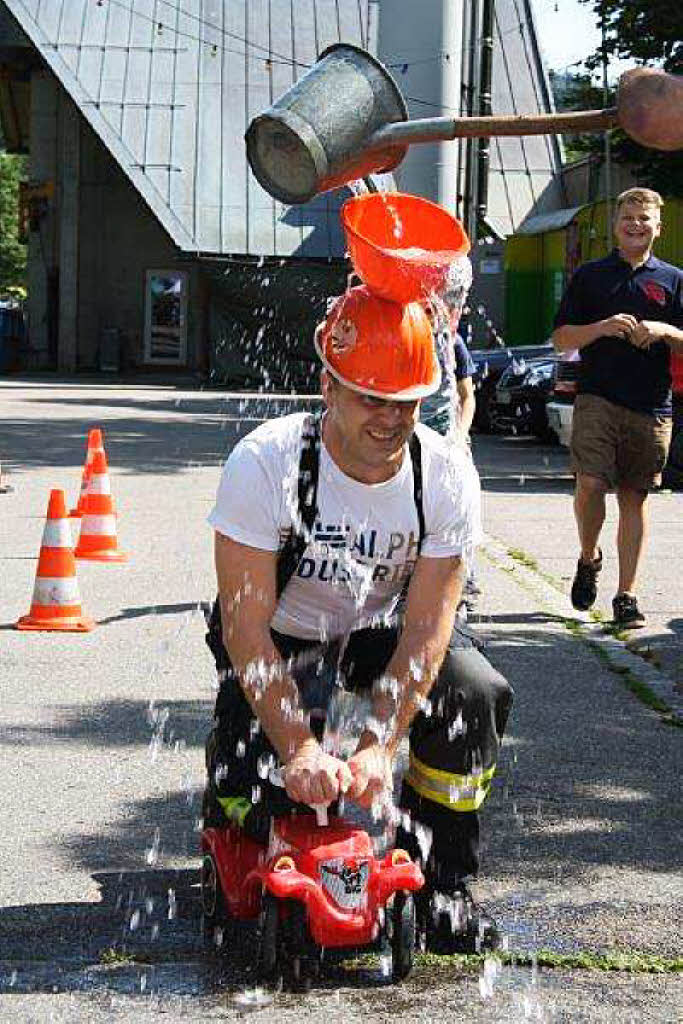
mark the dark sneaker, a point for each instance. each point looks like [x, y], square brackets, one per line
[452, 922]
[585, 585]
[627, 615]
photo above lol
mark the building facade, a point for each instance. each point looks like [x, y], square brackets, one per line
[152, 246]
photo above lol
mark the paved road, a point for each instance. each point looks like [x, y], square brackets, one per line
[102, 736]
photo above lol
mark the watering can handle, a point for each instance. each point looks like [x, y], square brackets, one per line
[353, 276]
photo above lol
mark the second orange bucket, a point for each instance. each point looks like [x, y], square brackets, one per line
[401, 245]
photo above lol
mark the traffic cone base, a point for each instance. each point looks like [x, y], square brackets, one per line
[56, 604]
[72, 624]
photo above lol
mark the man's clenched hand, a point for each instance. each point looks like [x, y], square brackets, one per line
[621, 325]
[371, 770]
[313, 777]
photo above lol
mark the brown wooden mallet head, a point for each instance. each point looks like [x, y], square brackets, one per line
[650, 108]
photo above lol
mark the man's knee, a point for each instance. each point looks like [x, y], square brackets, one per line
[471, 674]
[631, 497]
[589, 486]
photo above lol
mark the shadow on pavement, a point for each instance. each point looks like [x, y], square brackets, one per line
[168, 436]
[156, 609]
[119, 723]
[524, 618]
[529, 483]
[588, 777]
[144, 936]
[133, 445]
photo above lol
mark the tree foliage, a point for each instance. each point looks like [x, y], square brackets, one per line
[12, 251]
[647, 32]
[576, 90]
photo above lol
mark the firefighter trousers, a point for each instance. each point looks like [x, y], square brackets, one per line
[453, 746]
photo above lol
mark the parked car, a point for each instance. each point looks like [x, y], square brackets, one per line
[560, 400]
[489, 364]
[560, 409]
[520, 398]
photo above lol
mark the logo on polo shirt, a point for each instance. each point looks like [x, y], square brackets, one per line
[654, 292]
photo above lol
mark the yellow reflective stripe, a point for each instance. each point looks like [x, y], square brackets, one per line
[438, 775]
[459, 792]
[235, 807]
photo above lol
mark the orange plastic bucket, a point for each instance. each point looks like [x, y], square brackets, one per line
[401, 245]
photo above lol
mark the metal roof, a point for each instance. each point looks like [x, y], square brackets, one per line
[523, 171]
[554, 221]
[169, 86]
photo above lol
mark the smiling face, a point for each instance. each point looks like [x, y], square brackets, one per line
[366, 436]
[636, 226]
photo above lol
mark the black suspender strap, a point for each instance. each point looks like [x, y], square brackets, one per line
[307, 495]
[415, 449]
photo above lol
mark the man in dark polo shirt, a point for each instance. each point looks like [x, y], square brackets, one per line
[624, 314]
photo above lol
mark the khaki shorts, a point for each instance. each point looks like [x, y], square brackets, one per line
[618, 445]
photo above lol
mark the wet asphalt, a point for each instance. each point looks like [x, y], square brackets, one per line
[102, 737]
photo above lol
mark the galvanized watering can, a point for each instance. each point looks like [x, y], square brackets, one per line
[346, 118]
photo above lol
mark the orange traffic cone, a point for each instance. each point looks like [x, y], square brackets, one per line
[97, 540]
[56, 602]
[95, 444]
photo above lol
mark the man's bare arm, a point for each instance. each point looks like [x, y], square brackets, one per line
[248, 595]
[649, 331]
[247, 588]
[465, 389]
[432, 600]
[578, 336]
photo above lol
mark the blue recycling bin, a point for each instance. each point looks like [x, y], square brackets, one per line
[12, 336]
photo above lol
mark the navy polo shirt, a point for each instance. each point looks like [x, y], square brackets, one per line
[464, 363]
[638, 379]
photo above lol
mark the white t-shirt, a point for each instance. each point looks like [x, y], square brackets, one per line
[365, 538]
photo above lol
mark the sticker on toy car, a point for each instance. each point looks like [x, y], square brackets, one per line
[346, 882]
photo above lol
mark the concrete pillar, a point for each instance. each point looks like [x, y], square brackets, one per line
[69, 188]
[423, 41]
[42, 260]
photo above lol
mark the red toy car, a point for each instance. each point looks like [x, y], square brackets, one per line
[315, 887]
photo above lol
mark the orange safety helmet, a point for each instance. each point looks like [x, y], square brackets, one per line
[379, 348]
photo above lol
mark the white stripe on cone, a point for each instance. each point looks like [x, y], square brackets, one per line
[56, 590]
[92, 526]
[56, 534]
[99, 484]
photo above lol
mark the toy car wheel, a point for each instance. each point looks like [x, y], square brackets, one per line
[269, 964]
[214, 911]
[403, 932]
[303, 954]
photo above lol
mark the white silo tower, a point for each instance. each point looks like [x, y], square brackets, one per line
[423, 45]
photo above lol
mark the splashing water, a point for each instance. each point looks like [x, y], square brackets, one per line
[488, 977]
[252, 998]
[153, 852]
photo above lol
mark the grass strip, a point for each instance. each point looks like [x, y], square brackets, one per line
[620, 960]
[637, 687]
